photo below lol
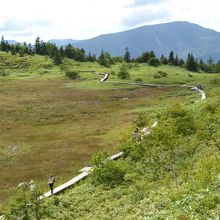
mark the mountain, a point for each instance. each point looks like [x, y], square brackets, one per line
[62, 42]
[12, 42]
[180, 37]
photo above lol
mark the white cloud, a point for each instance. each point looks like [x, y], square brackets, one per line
[24, 20]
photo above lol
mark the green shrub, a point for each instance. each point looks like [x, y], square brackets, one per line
[72, 74]
[212, 107]
[123, 74]
[154, 62]
[184, 120]
[3, 73]
[215, 81]
[109, 174]
[190, 75]
[157, 76]
[26, 203]
[162, 73]
[141, 120]
[138, 80]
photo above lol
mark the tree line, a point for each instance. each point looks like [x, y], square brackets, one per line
[47, 49]
[57, 54]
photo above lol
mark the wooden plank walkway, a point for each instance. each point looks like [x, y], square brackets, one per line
[84, 173]
[203, 94]
[116, 156]
[66, 185]
[105, 77]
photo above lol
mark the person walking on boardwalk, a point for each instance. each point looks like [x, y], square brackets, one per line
[134, 134]
[51, 182]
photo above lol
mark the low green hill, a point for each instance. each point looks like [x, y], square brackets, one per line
[173, 173]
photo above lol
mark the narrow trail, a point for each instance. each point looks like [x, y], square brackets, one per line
[84, 172]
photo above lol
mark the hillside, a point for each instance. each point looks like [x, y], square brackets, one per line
[53, 124]
[180, 37]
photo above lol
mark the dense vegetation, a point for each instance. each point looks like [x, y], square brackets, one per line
[172, 173]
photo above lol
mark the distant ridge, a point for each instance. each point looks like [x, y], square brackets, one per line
[12, 41]
[63, 42]
[181, 37]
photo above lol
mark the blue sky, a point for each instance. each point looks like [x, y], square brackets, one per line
[24, 20]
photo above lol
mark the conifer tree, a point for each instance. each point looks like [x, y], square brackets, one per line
[191, 64]
[37, 46]
[163, 60]
[3, 44]
[127, 57]
[171, 57]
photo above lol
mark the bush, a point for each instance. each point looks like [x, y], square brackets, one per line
[142, 119]
[26, 203]
[3, 73]
[157, 76]
[109, 174]
[154, 62]
[215, 81]
[72, 74]
[190, 75]
[123, 74]
[184, 120]
[162, 73]
[112, 72]
[138, 80]
[212, 107]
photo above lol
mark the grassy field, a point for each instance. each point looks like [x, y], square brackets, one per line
[50, 124]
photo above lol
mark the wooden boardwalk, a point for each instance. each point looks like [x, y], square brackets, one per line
[84, 173]
[203, 94]
[105, 78]
[66, 185]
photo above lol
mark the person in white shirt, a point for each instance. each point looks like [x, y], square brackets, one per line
[51, 182]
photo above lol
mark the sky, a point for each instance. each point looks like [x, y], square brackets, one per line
[24, 20]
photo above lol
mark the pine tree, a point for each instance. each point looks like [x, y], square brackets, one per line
[57, 57]
[89, 57]
[191, 64]
[163, 60]
[176, 61]
[37, 46]
[210, 61]
[127, 57]
[3, 44]
[171, 57]
[181, 62]
[30, 50]
[105, 59]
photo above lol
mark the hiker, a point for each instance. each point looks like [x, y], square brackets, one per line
[51, 182]
[134, 134]
[199, 87]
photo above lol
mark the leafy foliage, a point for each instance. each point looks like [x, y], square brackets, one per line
[72, 74]
[26, 204]
[123, 73]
